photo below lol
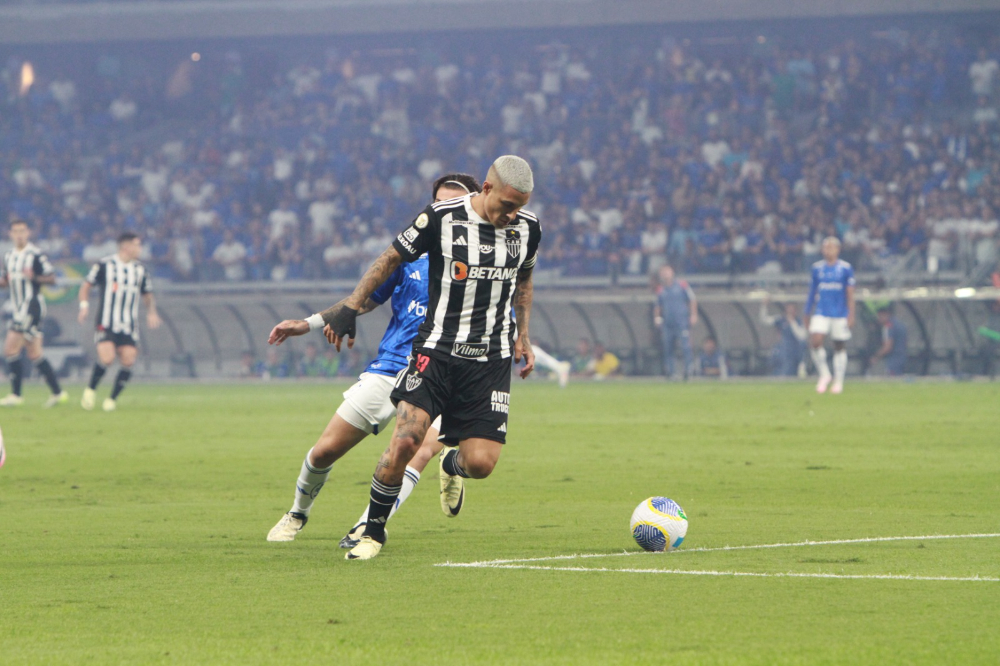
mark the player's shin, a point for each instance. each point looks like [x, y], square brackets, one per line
[819, 359]
[96, 375]
[121, 380]
[16, 372]
[452, 465]
[410, 479]
[839, 365]
[380, 504]
[311, 481]
[46, 370]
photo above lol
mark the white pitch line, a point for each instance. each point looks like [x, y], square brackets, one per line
[834, 542]
[683, 572]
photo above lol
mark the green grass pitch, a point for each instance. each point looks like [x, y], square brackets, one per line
[138, 537]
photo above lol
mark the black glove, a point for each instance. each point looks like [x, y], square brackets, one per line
[343, 321]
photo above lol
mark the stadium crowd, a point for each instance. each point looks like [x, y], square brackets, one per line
[718, 160]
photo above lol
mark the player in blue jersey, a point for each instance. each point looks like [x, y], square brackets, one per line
[366, 409]
[831, 295]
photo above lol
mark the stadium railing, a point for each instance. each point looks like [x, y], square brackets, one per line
[207, 330]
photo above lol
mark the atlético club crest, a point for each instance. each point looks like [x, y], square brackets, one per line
[513, 241]
[413, 381]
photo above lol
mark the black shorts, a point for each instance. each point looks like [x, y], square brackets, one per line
[119, 339]
[472, 397]
[30, 325]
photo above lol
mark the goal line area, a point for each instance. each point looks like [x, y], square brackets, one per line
[539, 563]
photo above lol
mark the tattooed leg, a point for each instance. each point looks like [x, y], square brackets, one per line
[411, 426]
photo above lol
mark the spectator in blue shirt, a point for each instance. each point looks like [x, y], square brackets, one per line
[713, 247]
[893, 349]
[711, 360]
[789, 353]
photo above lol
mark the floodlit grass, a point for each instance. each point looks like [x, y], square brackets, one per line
[138, 536]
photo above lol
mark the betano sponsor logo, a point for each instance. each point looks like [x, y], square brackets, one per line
[461, 271]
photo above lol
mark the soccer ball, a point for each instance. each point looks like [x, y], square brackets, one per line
[659, 524]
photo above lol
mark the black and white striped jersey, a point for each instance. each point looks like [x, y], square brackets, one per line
[25, 292]
[120, 285]
[473, 273]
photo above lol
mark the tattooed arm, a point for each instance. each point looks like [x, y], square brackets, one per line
[341, 318]
[380, 270]
[523, 295]
[376, 274]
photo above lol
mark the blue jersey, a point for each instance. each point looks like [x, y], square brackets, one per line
[828, 291]
[407, 287]
[675, 303]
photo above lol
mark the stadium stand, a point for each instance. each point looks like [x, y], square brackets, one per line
[732, 157]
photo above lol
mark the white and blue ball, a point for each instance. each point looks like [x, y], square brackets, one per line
[659, 524]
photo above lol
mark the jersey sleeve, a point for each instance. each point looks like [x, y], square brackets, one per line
[813, 287]
[147, 283]
[534, 238]
[420, 236]
[3, 268]
[43, 266]
[688, 292]
[849, 276]
[97, 274]
[384, 292]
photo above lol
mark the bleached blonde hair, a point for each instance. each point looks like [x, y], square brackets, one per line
[514, 171]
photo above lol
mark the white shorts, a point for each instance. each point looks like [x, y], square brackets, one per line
[367, 406]
[835, 327]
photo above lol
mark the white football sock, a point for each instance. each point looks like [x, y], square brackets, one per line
[839, 365]
[410, 479]
[543, 359]
[819, 359]
[311, 480]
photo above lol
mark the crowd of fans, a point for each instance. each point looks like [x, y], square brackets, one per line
[737, 159]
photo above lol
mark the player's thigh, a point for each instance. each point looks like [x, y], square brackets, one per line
[839, 330]
[425, 383]
[106, 352]
[412, 424]
[34, 347]
[367, 405]
[480, 456]
[429, 448]
[127, 355]
[338, 438]
[13, 343]
[480, 402]
[819, 325]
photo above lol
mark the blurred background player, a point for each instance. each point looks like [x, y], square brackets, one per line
[894, 342]
[790, 350]
[366, 409]
[831, 294]
[675, 313]
[122, 281]
[25, 269]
